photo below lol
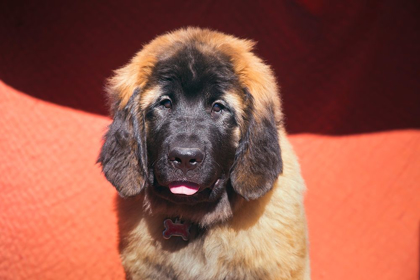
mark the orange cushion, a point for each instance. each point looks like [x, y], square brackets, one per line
[363, 204]
[57, 214]
[58, 219]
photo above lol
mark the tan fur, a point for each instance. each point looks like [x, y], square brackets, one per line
[267, 237]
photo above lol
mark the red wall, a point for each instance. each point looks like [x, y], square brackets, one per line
[355, 64]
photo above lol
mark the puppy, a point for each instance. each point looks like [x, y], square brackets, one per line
[197, 149]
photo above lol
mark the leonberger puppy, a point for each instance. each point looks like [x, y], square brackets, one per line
[210, 185]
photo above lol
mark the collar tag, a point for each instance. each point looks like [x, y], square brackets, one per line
[176, 229]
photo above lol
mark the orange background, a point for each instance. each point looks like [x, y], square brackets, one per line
[350, 87]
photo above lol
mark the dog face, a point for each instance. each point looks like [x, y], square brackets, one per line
[194, 127]
[191, 127]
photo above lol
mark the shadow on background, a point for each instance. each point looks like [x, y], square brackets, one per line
[343, 68]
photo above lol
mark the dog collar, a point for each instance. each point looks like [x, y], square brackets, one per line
[176, 228]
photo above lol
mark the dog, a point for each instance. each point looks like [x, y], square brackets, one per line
[210, 186]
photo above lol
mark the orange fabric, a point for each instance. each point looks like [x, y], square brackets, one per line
[58, 219]
[363, 204]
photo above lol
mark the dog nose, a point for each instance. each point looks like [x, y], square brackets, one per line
[186, 158]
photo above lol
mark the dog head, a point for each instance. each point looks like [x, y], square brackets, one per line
[195, 127]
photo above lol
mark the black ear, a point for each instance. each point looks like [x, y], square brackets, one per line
[123, 155]
[258, 160]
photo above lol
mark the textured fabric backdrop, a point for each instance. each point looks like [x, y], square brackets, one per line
[349, 77]
[343, 66]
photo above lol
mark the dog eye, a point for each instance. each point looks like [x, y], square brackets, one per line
[166, 103]
[217, 107]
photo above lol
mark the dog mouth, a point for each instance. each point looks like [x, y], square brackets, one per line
[186, 192]
[183, 188]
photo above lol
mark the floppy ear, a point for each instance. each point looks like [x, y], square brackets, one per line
[258, 160]
[123, 155]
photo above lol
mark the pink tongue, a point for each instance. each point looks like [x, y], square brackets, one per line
[184, 188]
